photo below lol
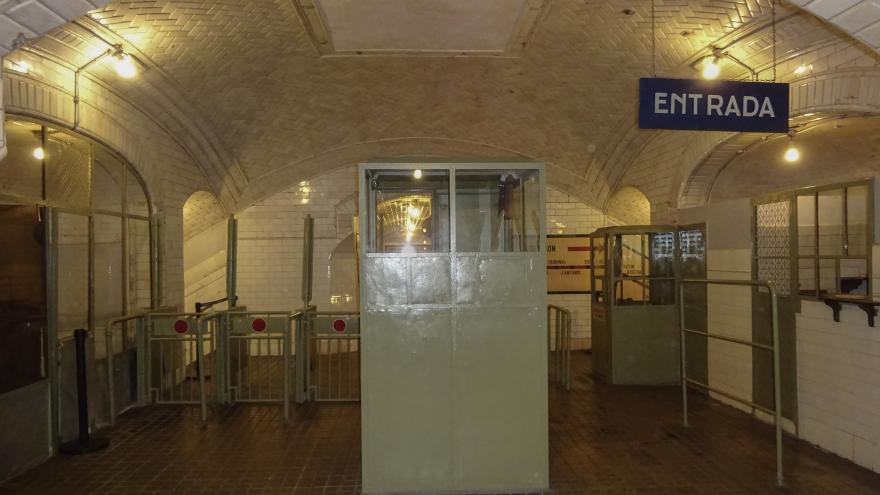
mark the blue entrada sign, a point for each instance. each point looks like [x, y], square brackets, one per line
[700, 105]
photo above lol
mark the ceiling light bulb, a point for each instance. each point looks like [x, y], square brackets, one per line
[792, 154]
[125, 66]
[414, 212]
[417, 174]
[39, 153]
[711, 69]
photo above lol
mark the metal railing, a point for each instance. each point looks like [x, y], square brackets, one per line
[559, 344]
[237, 356]
[776, 412]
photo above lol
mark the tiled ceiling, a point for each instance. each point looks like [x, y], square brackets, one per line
[761, 169]
[283, 111]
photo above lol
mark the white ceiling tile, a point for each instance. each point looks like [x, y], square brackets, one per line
[858, 17]
[35, 16]
[69, 9]
[871, 35]
[830, 8]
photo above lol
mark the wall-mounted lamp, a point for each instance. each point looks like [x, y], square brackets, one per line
[792, 154]
[124, 65]
[710, 67]
[39, 153]
[417, 174]
[125, 68]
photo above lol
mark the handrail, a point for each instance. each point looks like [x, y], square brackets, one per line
[108, 343]
[774, 349]
[562, 331]
[201, 306]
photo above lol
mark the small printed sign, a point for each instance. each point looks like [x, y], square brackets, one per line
[701, 105]
[568, 264]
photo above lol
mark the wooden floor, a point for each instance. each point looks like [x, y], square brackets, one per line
[603, 440]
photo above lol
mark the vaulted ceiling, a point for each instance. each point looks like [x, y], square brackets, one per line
[268, 92]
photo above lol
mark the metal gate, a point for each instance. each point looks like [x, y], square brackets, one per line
[258, 357]
[180, 356]
[334, 361]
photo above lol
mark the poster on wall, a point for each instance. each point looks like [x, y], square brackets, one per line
[568, 264]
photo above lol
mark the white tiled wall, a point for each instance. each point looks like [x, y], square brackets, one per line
[838, 375]
[270, 243]
[204, 257]
[730, 314]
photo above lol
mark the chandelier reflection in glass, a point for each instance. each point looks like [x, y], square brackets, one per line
[404, 220]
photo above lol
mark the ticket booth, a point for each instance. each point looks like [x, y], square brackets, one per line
[453, 327]
[634, 316]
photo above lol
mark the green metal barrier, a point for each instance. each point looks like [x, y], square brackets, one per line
[559, 344]
[776, 412]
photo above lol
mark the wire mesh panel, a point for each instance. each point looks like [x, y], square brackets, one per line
[334, 357]
[773, 244]
[258, 357]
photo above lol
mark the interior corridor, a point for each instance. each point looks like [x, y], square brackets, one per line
[603, 439]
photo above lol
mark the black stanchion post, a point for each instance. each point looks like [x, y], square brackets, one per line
[85, 443]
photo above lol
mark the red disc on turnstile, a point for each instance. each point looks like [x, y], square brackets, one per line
[259, 325]
[181, 326]
[339, 325]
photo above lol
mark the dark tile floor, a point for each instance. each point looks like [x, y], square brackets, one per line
[603, 440]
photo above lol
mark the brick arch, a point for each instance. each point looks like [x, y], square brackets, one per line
[117, 126]
[697, 186]
[201, 211]
[629, 206]
[144, 119]
[414, 147]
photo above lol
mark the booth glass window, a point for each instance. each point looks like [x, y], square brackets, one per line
[22, 296]
[497, 211]
[96, 201]
[644, 268]
[408, 211]
[833, 240]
